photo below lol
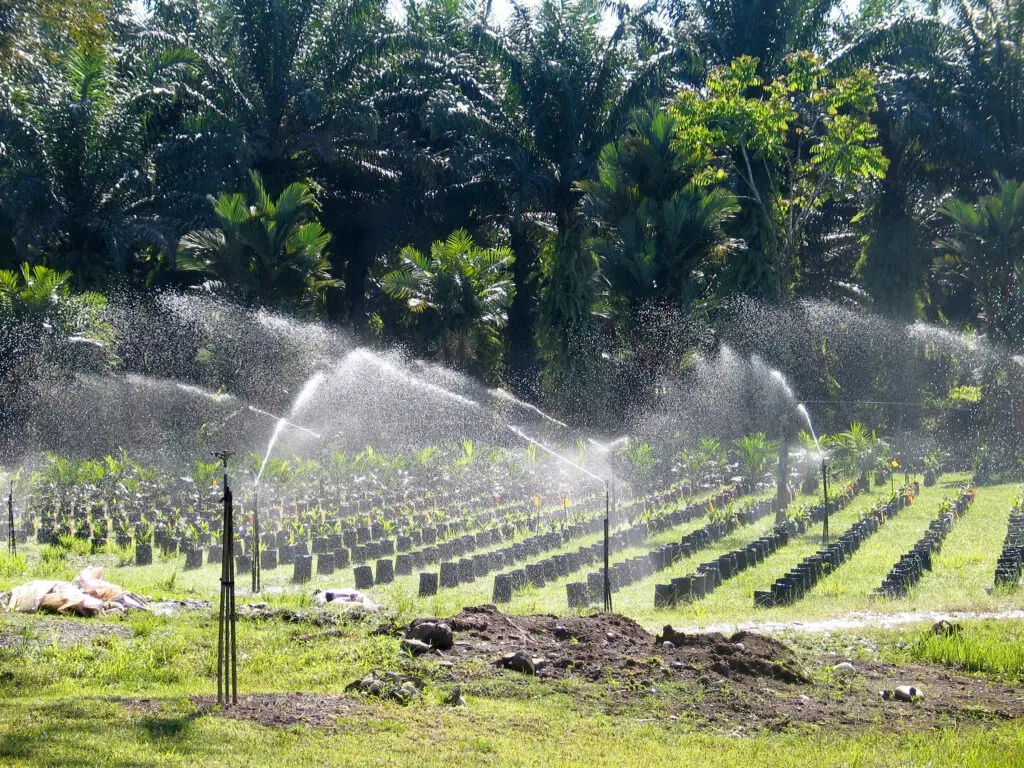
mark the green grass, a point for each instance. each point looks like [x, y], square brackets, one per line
[548, 730]
[989, 647]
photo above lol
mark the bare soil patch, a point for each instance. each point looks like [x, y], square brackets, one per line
[41, 631]
[745, 682]
[275, 710]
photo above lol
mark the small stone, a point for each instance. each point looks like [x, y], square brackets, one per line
[454, 698]
[610, 636]
[845, 669]
[741, 647]
[946, 628]
[436, 634]
[668, 645]
[908, 693]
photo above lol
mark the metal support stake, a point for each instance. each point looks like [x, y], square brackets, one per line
[12, 542]
[256, 546]
[824, 491]
[607, 575]
[227, 655]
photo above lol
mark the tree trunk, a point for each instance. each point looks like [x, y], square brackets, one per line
[520, 346]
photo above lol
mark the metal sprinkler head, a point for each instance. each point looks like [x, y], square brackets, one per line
[223, 456]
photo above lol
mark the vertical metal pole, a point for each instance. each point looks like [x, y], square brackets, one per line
[607, 575]
[824, 492]
[227, 657]
[256, 547]
[11, 539]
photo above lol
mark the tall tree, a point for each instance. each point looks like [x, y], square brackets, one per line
[986, 252]
[660, 242]
[77, 180]
[575, 89]
[798, 142]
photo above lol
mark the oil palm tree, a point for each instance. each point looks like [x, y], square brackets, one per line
[464, 290]
[78, 180]
[986, 251]
[859, 449]
[574, 89]
[272, 251]
[657, 232]
[754, 452]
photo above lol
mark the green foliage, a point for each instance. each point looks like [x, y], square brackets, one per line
[464, 289]
[266, 252]
[754, 453]
[986, 251]
[705, 461]
[860, 450]
[658, 232]
[68, 333]
[799, 142]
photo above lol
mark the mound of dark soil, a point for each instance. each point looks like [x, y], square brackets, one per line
[611, 645]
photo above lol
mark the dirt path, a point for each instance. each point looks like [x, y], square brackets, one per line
[857, 621]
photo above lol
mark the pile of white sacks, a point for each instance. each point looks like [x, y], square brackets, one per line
[85, 595]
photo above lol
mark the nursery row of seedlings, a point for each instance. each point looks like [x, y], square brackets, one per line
[562, 566]
[911, 566]
[1011, 559]
[801, 579]
[466, 570]
[537, 574]
[331, 554]
[710, 574]
[634, 569]
[356, 545]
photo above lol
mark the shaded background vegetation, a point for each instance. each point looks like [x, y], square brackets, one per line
[567, 201]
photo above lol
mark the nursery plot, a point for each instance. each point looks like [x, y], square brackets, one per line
[551, 598]
[962, 573]
[733, 600]
[403, 592]
[851, 586]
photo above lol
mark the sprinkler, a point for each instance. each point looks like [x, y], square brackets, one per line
[227, 646]
[256, 539]
[607, 504]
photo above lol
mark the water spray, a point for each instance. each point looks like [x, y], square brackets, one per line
[287, 423]
[607, 505]
[502, 394]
